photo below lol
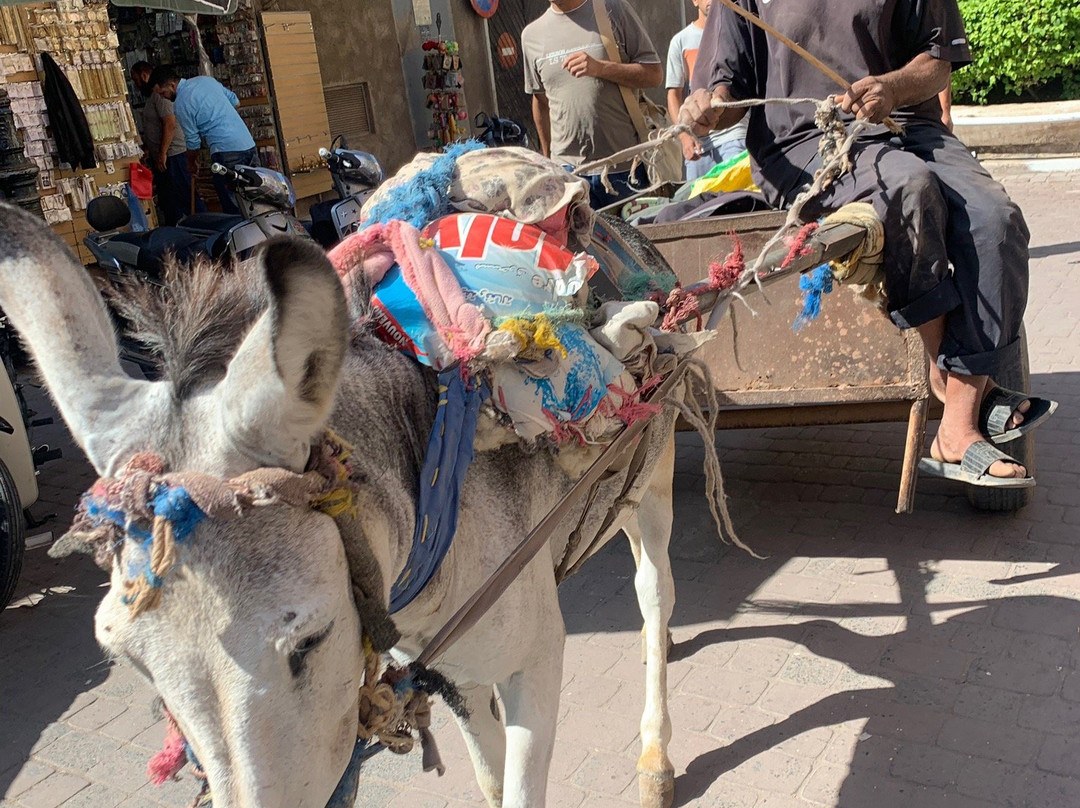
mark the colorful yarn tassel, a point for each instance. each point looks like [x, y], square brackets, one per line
[813, 284]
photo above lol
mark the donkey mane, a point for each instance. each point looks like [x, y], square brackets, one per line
[195, 318]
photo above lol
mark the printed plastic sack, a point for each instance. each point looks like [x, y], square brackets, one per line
[567, 393]
[506, 267]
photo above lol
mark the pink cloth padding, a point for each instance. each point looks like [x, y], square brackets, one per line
[167, 763]
[365, 251]
[462, 325]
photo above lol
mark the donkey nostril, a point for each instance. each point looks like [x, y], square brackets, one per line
[290, 616]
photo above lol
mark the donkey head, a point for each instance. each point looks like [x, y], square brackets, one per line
[254, 644]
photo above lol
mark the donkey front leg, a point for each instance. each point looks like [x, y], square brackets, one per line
[649, 533]
[531, 701]
[486, 740]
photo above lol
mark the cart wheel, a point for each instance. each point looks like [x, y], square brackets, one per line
[12, 536]
[1006, 500]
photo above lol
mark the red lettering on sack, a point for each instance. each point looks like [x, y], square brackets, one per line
[390, 330]
[446, 232]
[553, 257]
[476, 240]
[514, 235]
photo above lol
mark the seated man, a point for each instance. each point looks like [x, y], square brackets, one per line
[938, 205]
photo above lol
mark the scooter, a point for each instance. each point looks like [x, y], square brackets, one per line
[265, 198]
[19, 461]
[356, 175]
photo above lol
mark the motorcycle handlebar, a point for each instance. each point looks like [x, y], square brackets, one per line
[233, 177]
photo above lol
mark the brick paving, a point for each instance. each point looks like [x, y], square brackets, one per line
[873, 660]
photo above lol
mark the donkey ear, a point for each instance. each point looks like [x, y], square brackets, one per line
[281, 384]
[53, 304]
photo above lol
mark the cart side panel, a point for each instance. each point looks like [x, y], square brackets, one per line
[851, 353]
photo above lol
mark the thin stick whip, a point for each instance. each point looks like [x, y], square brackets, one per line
[800, 50]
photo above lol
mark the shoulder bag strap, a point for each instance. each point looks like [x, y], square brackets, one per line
[607, 35]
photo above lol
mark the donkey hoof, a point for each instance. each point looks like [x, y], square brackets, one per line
[656, 789]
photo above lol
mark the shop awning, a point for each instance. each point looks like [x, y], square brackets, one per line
[180, 6]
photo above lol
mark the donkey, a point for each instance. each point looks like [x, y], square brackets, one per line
[255, 646]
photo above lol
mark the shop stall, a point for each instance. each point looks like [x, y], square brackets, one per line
[86, 143]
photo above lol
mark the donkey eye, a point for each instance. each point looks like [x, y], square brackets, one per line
[298, 655]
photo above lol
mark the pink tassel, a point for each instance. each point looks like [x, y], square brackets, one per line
[681, 305]
[797, 247]
[167, 763]
[724, 275]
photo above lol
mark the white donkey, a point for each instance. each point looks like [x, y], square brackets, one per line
[255, 645]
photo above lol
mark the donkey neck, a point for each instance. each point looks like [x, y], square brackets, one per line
[385, 408]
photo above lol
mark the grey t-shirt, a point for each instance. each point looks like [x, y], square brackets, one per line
[157, 107]
[588, 116]
[857, 38]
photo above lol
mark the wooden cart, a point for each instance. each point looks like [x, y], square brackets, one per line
[851, 365]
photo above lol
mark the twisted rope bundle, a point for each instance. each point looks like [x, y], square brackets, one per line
[156, 512]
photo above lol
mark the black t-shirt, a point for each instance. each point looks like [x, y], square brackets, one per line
[857, 38]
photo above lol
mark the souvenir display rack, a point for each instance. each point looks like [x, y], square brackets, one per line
[443, 83]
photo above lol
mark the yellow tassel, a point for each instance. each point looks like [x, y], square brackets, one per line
[534, 335]
[544, 335]
[335, 503]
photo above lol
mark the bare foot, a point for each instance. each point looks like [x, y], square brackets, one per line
[951, 448]
[939, 377]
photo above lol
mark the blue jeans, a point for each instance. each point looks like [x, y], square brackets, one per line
[624, 186]
[174, 190]
[713, 157]
[231, 159]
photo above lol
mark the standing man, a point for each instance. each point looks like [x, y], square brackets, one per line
[577, 105]
[206, 111]
[956, 246]
[163, 142]
[716, 147]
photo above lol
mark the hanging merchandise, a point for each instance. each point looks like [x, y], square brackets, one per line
[74, 143]
[444, 81]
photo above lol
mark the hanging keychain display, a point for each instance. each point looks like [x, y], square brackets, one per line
[443, 81]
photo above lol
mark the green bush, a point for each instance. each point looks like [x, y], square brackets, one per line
[1018, 46]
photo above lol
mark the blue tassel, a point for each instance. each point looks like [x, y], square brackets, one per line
[176, 505]
[813, 284]
[424, 197]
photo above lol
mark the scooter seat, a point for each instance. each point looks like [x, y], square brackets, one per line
[211, 222]
[155, 244]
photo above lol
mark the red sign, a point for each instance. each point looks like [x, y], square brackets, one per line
[485, 8]
[507, 50]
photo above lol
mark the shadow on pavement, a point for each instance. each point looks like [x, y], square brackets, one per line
[49, 658]
[973, 694]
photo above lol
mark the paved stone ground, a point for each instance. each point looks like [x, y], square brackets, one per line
[873, 660]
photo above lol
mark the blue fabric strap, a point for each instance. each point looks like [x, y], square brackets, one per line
[449, 453]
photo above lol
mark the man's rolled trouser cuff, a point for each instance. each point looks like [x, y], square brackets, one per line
[987, 363]
[940, 300]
